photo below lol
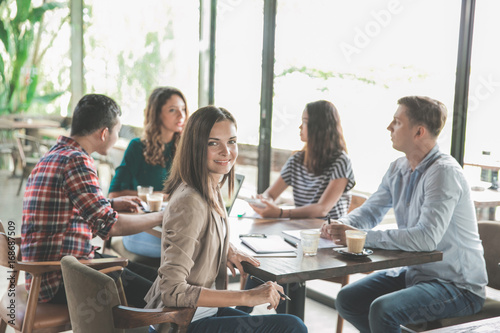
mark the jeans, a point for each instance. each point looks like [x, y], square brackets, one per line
[143, 244]
[137, 279]
[381, 303]
[232, 320]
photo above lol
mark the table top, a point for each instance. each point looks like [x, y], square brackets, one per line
[484, 325]
[11, 124]
[485, 163]
[327, 263]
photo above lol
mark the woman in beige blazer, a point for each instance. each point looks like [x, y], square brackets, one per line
[195, 248]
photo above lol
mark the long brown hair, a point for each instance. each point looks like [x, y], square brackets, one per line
[190, 164]
[325, 137]
[154, 147]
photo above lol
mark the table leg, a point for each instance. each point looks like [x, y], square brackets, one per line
[297, 292]
[491, 213]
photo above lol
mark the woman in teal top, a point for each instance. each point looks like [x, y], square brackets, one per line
[134, 170]
[147, 160]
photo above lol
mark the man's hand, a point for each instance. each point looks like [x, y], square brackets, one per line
[335, 231]
[127, 204]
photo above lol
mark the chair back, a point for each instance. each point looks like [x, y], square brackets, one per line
[4, 252]
[356, 201]
[489, 232]
[9, 250]
[91, 297]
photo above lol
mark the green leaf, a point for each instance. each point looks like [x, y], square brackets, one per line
[2, 69]
[37, 13]
[45, 99]
[23, 10]
[30, 93]
[4, 36]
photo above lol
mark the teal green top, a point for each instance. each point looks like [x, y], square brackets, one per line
[135, 171]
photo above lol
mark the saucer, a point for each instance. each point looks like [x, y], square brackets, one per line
[365, 253]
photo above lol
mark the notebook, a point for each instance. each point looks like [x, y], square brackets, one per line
[229, 202]
[269, 244]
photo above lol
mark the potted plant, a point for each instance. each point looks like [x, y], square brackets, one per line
[21, 31]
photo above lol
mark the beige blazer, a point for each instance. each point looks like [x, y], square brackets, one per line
[194, 251]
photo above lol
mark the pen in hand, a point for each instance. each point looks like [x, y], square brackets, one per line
[262, 281]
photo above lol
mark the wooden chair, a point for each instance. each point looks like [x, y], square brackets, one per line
[27, 315]
[489, 232]
[29, 151]
[83, 283]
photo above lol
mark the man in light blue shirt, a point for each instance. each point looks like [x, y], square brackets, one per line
[434, 211]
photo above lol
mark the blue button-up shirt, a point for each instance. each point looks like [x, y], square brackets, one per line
[434, 211]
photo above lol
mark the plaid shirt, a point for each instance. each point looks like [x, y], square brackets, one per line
[63, 209]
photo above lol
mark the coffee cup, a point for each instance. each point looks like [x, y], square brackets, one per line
[355, 240]
[143, 191]
[154, 201]
[310, 241]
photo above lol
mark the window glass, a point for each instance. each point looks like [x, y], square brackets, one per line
[133, 47]
[363, 56]
[238, 67]
[483, 116]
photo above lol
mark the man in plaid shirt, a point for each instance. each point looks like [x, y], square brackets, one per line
[64, 207]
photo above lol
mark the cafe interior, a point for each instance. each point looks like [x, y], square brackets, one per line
[264, 60]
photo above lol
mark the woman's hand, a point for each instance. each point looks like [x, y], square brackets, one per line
[235, 257]
[270, 210]
[335, 231]
[127, 204]
[265, 293]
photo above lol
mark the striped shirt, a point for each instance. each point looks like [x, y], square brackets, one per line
[63, 209]
[308, 188]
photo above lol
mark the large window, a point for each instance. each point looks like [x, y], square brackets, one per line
[238, 65]
[132, 48]
[483, 117]
[363, 56]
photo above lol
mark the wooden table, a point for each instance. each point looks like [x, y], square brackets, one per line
[483, 326]
[327, 263]
[10, 124]
[486, 163]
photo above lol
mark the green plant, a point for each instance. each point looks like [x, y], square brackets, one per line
[21, 32]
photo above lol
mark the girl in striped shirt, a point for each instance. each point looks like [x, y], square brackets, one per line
[320, 174]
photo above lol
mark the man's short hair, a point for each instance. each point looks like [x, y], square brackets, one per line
[94, 112]
[422, 110]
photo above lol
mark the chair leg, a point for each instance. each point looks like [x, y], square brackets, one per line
[340, 324]
[340, 320]
[243, 282]
[3, 326]
[20, 185]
